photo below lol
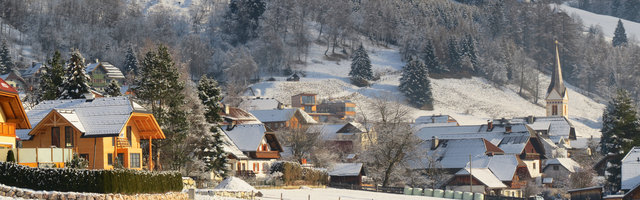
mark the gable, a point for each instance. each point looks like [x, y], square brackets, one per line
[56, 119]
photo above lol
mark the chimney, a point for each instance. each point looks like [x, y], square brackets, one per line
[97, 61]
[226, 109]
[434, 142]
[530, 119]
[489, 125]
[507, 128]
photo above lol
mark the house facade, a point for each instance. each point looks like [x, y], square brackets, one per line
[102, 73]
[13, 78]
[560, 168]
[12, 116]
[105, 131]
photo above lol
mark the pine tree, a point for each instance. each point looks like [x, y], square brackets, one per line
[76, 82]
[619, 36]
[615, 8]
[6, 64]
[113, 89]
[210, 94]
[455, 61]
[431, 60]
[160, 87]
[468, 47]
[415, 84]
[620, 132]
[51, 78]
[242, 19]
[130, 62]
[361, 64]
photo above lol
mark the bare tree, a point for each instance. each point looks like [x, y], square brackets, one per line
[582, 178]
[395, 141]
[300, 141]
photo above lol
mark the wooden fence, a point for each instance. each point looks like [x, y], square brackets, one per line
[395, 190]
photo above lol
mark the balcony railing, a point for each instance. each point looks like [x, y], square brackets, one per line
[123, 142]
[265, 154]
[40, 157]
[8, 129]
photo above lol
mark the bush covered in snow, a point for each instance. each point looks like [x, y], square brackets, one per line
[292, 172]
[96, 181]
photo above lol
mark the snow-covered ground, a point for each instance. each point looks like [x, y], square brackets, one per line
[470, 101]
[334, 194]
[608, 23]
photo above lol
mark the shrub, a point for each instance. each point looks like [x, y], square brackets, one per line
[11, 157]
[96, 181]
[77, 162]
[293, 173]
[359, 81]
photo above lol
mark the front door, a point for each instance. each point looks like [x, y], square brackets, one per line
[55, 136]
[121, 159]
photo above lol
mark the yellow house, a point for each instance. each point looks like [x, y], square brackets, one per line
[12, 116]
[103, 130]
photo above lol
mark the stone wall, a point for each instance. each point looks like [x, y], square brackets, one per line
[13, 192]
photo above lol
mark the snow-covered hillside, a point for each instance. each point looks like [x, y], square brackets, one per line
[608, 23]
[470, 101]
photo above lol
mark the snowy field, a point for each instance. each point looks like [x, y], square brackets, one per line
[608, 23]
[470, 101]
[335, 194]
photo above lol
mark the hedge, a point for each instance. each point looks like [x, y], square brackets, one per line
[96, 181]
[292, 172]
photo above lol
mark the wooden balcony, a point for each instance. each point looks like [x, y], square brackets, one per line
[122, 142]
[265, 154]
[531, 156]
[8, 129]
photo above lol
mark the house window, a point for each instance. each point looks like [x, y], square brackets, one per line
[129, 134]
[244, 167]
[55, 136]
[554, 110]
[556, 168]
[85, 156]
[110, 159]
[68, 136]
[534, 165]
[121, 159]
[264, 147]
[238, 166]
[308, 109]
[134, 160]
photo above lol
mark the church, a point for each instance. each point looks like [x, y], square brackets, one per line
[557, 96]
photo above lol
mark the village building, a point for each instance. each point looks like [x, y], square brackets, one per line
[102, 73]
[12, 116]
[14, 79]
[589, 193]
[103, 131]
[434, 120]
[630, 173]
[338, 109]
[508, 169]
[557, 97]
[32, 74]
[560, 169]
[261, 103]
[346, 173]
[557, 128]
[281, 119]
[346, 138]
[511, 139]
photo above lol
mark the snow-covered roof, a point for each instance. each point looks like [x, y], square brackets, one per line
[327, 131]
[567, 163]
[282, 115]
[554, 125]
[502, 166]
[432, 119]
[98, 117]
[456, 152]
[29, 72]
[247, 137]
[260, 104]
[630, 165]
[239, 116]
[512, 142]
[345, 169]
[485, 176]
[111, 71]
[229, 147]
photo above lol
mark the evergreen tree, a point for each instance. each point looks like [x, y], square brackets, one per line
[6, 64]
[361, 65]
[620, 132]
[455, 61]
[615, 8]
[415, 84]
[431, 60]
[242, 19]
[160, 87]
[468, 47]
[51, 78]
[76, 82]
[130, 62]
[210, 94]
[619, 36]
[113, 89]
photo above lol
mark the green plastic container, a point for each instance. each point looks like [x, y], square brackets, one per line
[408, 190]
[417, 191]
[478, 196]
[467, 196]
[457, 195]
[448, 194]
[438, 193]
[428, 192]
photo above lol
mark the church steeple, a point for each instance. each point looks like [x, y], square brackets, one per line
[557, 97]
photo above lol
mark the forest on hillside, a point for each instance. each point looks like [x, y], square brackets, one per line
[238, 43]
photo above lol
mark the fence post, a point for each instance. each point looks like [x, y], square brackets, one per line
[280, 196]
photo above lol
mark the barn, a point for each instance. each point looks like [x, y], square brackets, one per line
[347, 173]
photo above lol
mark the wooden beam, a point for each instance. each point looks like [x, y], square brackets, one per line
[150, 155]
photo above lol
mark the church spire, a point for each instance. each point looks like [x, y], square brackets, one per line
[556, 79]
